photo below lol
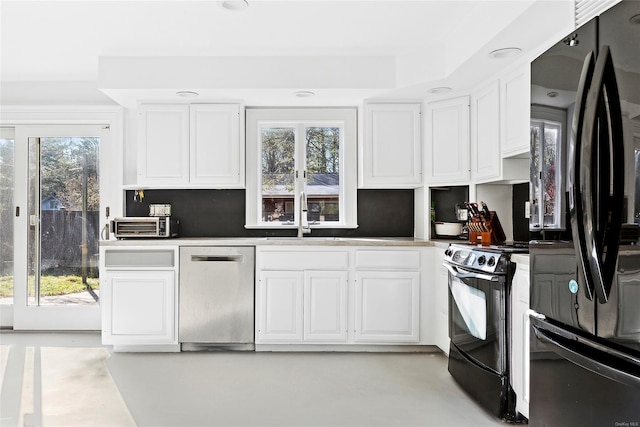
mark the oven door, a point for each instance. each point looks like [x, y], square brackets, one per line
[477, 316]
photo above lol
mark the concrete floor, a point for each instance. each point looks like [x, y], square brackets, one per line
[70, 379]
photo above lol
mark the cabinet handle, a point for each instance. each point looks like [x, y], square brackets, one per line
[217, 258]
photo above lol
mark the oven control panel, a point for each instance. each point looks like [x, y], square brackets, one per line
[475, 259]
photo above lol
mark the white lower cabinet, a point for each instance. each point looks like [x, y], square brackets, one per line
[302, 306]
[301, 296]
[325, 306]
[280, 297]
[520, 336]
[139, 298]
[441, 321]
[338, 296]
[387, 306]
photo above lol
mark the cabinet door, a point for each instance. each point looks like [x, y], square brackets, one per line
[442, 303]
[447, 157]
[520, 337]
[387, 307]
[279, 306]
[515, 93]
[325, 306]
[391, 155]
[163, 144]
[216, 152]
[485, 125]
[139, 308]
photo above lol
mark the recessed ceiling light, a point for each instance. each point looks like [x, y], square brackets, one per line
[439, 89]
[552, 94]
[504, 52]
[635, 19]
[234, 4]
[304, 94]
[187, 94]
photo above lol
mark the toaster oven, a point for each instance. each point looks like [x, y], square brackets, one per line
[144, 227]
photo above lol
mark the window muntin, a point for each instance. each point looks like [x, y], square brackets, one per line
[301, 152]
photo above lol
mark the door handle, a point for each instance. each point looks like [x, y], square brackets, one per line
[575, 166]
[602, 160]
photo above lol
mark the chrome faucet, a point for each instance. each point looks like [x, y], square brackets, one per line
[303, 223]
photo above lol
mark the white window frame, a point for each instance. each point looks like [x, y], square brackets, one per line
[300, 118]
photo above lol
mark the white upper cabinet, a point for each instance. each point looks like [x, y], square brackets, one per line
[515, 92]
[163, 144]
[447, 142]
[485, 130]
[391, 153]
[197, 146]
[215, 149]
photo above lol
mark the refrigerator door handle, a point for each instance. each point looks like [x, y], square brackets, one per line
[574, 173]
[602, 177]
[590, 358]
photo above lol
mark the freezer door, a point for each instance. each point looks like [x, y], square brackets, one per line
[575, 381]
[619, 318]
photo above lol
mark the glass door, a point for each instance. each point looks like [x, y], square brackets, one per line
[57, 285]
[7, 186]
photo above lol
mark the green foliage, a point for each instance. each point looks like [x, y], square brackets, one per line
[51, 285]
[65, 164]
[323, 150]
[278, 162]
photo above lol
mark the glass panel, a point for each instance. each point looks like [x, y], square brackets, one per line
[7, 186]
[534, 174]
[550, 178]
[323, 173]
[545, 170]
[64, 223]
[278, 174]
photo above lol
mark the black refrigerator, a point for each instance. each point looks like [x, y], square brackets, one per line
[585, 269]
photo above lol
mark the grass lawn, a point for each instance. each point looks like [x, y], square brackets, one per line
[51, 285]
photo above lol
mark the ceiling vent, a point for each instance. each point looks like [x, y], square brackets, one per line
[587, 9]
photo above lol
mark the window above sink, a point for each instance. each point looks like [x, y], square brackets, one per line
[298, 157]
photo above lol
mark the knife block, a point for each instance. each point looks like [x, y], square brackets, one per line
[493, 234]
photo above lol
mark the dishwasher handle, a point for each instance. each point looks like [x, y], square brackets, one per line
[217, 258]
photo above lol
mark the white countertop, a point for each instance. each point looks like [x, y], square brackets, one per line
[272, 241]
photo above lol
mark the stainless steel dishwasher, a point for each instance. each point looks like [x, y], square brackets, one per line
[216, 298]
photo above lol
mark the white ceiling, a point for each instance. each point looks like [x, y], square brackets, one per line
[44, 43]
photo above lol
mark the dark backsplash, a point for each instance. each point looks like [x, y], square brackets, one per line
[520, 222]
[221, 213]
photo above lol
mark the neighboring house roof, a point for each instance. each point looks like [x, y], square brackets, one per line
[51, 203]
[318, 184]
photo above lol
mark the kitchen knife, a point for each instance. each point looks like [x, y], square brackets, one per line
[474, 206]
[469, 209]
[485, 211]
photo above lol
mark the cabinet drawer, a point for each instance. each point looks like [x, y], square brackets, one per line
[403, 260]
[316, 260]
[127, 258]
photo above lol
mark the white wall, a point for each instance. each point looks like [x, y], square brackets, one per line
[499, 198]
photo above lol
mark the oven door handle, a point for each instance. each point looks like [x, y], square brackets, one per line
[457, 272]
